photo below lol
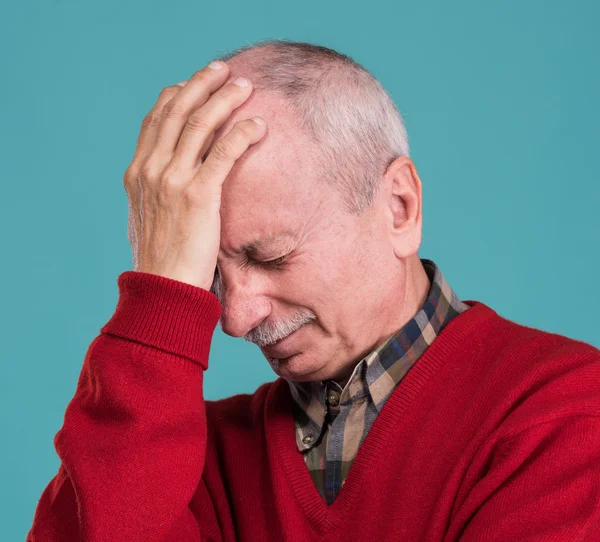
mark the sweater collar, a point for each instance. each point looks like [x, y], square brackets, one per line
[464, 342]
[376, 375]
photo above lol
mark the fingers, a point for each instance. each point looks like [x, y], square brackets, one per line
[176, 112]
[150, 125]
[145, 143]
[150, 129]
[202, 124]
[180, 128]
[227, 150]
[144, 146]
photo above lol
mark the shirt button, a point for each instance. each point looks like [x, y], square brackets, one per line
[308, 439]
[333, 397]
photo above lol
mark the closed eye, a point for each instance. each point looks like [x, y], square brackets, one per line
[276, 263]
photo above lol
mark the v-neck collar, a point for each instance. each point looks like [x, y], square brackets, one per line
[281, 439]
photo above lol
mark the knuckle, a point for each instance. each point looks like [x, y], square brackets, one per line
[244, 129]
[173, 109]
[167, 193]
[170, 179]
[150, 120]
[130, 177]
[148, 171]
[169, 91]
[199, 122]
[203, 74]
[200, 74]
[225, 148]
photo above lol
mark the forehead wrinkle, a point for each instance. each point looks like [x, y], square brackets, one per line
[266, 242]
[255, 246]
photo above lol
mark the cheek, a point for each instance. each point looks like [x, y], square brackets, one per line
[314, 283]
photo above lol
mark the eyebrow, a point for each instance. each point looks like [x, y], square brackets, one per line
[262, 244]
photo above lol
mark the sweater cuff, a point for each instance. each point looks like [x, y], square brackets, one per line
[165, 313]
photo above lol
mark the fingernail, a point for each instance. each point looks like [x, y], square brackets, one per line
[182, 83]
[240, 82]
[216, 65]
[258, 120]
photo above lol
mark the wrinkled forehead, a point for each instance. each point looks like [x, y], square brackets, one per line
[273, 185]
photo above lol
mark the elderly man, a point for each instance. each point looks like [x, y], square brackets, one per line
[273, 191]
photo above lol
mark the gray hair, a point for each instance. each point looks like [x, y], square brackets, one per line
[351, 118]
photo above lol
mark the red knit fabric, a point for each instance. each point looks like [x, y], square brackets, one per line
[493, 435]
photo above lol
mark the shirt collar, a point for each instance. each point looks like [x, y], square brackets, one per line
[376, 375]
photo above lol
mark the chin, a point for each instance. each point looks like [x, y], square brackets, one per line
[297, 367]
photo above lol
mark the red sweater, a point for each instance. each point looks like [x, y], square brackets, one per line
[492, 435]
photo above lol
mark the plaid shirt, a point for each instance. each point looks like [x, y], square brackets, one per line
[332, 422]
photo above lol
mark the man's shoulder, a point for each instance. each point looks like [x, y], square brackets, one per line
[509, 350]
[536, 347]
[537, 375]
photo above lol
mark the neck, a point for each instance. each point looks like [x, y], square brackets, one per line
[416, 290]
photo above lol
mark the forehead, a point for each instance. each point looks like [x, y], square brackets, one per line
[272, 188]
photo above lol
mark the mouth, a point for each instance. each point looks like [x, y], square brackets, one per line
[282, 349]
[278, 362]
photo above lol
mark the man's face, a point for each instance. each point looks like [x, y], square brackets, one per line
[324, 291]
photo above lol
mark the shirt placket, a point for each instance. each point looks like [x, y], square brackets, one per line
[335, 441]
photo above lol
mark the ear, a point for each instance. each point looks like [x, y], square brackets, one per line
[405, 206]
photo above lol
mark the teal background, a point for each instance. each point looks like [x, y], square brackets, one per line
[499, 99]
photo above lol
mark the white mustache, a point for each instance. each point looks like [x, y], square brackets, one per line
[266, 334]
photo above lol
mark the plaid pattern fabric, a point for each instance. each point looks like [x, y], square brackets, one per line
[332, 422]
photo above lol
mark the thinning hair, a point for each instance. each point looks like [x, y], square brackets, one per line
[346, 112]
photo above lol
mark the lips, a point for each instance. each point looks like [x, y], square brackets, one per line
[281, 349]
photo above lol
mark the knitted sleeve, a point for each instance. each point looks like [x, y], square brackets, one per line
[133, 442]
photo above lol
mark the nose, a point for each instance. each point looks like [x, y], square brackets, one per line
[243, 305]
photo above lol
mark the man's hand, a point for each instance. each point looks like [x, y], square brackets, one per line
[174, 192]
